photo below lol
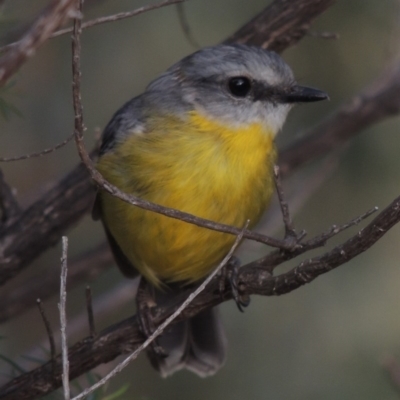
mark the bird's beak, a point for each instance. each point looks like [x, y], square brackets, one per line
[302, 94]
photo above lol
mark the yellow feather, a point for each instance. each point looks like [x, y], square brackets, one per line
[202, 167]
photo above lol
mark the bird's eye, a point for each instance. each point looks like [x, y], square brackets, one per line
[239, 86]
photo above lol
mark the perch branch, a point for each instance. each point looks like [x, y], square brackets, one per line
[124, 337]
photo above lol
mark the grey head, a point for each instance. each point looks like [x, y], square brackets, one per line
[231, 84]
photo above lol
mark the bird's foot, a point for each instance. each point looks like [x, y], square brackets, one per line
[231, 273]
[145, 302]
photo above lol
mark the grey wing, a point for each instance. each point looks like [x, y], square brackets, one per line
[125, 121]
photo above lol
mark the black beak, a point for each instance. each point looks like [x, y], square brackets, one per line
[302, 94]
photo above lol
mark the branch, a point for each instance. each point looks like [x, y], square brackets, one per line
[39, 153]
[51, 18]
[282, 24]
[104, 20]
[378, 101]
[86, 267]
[119, 16]
[41, 225]
[125, 336]
[62, 306]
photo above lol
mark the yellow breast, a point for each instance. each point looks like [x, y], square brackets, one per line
[201, 167]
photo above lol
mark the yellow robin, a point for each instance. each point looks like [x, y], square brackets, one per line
[200, 139]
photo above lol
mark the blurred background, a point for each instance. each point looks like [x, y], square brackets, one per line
[324, 341]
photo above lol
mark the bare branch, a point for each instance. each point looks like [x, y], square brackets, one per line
[277, 257]
[287, 219]
[378, 101]
[63, 318]
[107, 19]
[125, 336]
[281, 24]
[44, 221]
[48, 21]
[186, 27]
[40, 153]
[48, 330]
[16, 300]
[119, 16]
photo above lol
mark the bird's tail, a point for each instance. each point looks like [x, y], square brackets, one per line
[198, 344]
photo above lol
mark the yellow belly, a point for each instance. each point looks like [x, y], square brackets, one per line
[203, 168]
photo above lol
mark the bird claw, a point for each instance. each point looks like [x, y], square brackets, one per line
[144, 305]
[231, 271]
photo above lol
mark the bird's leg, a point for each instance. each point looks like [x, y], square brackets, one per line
[231, 272]
[145, 301]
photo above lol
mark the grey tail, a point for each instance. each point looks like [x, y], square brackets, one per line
[198, 344]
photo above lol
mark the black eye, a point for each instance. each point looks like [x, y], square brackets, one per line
[239, 86]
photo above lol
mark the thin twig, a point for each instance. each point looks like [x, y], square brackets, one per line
[186, 27]
[89, 308]
[51, 18]
[324, 237]
[166, 323]
[103, 20]
[277, 257]
[86, 267]
[40, 153]
[49, 332]
[379, 100]
[119, 16]
[63, 318]
[287, 220]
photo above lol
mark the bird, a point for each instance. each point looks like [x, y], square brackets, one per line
[199, 139]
